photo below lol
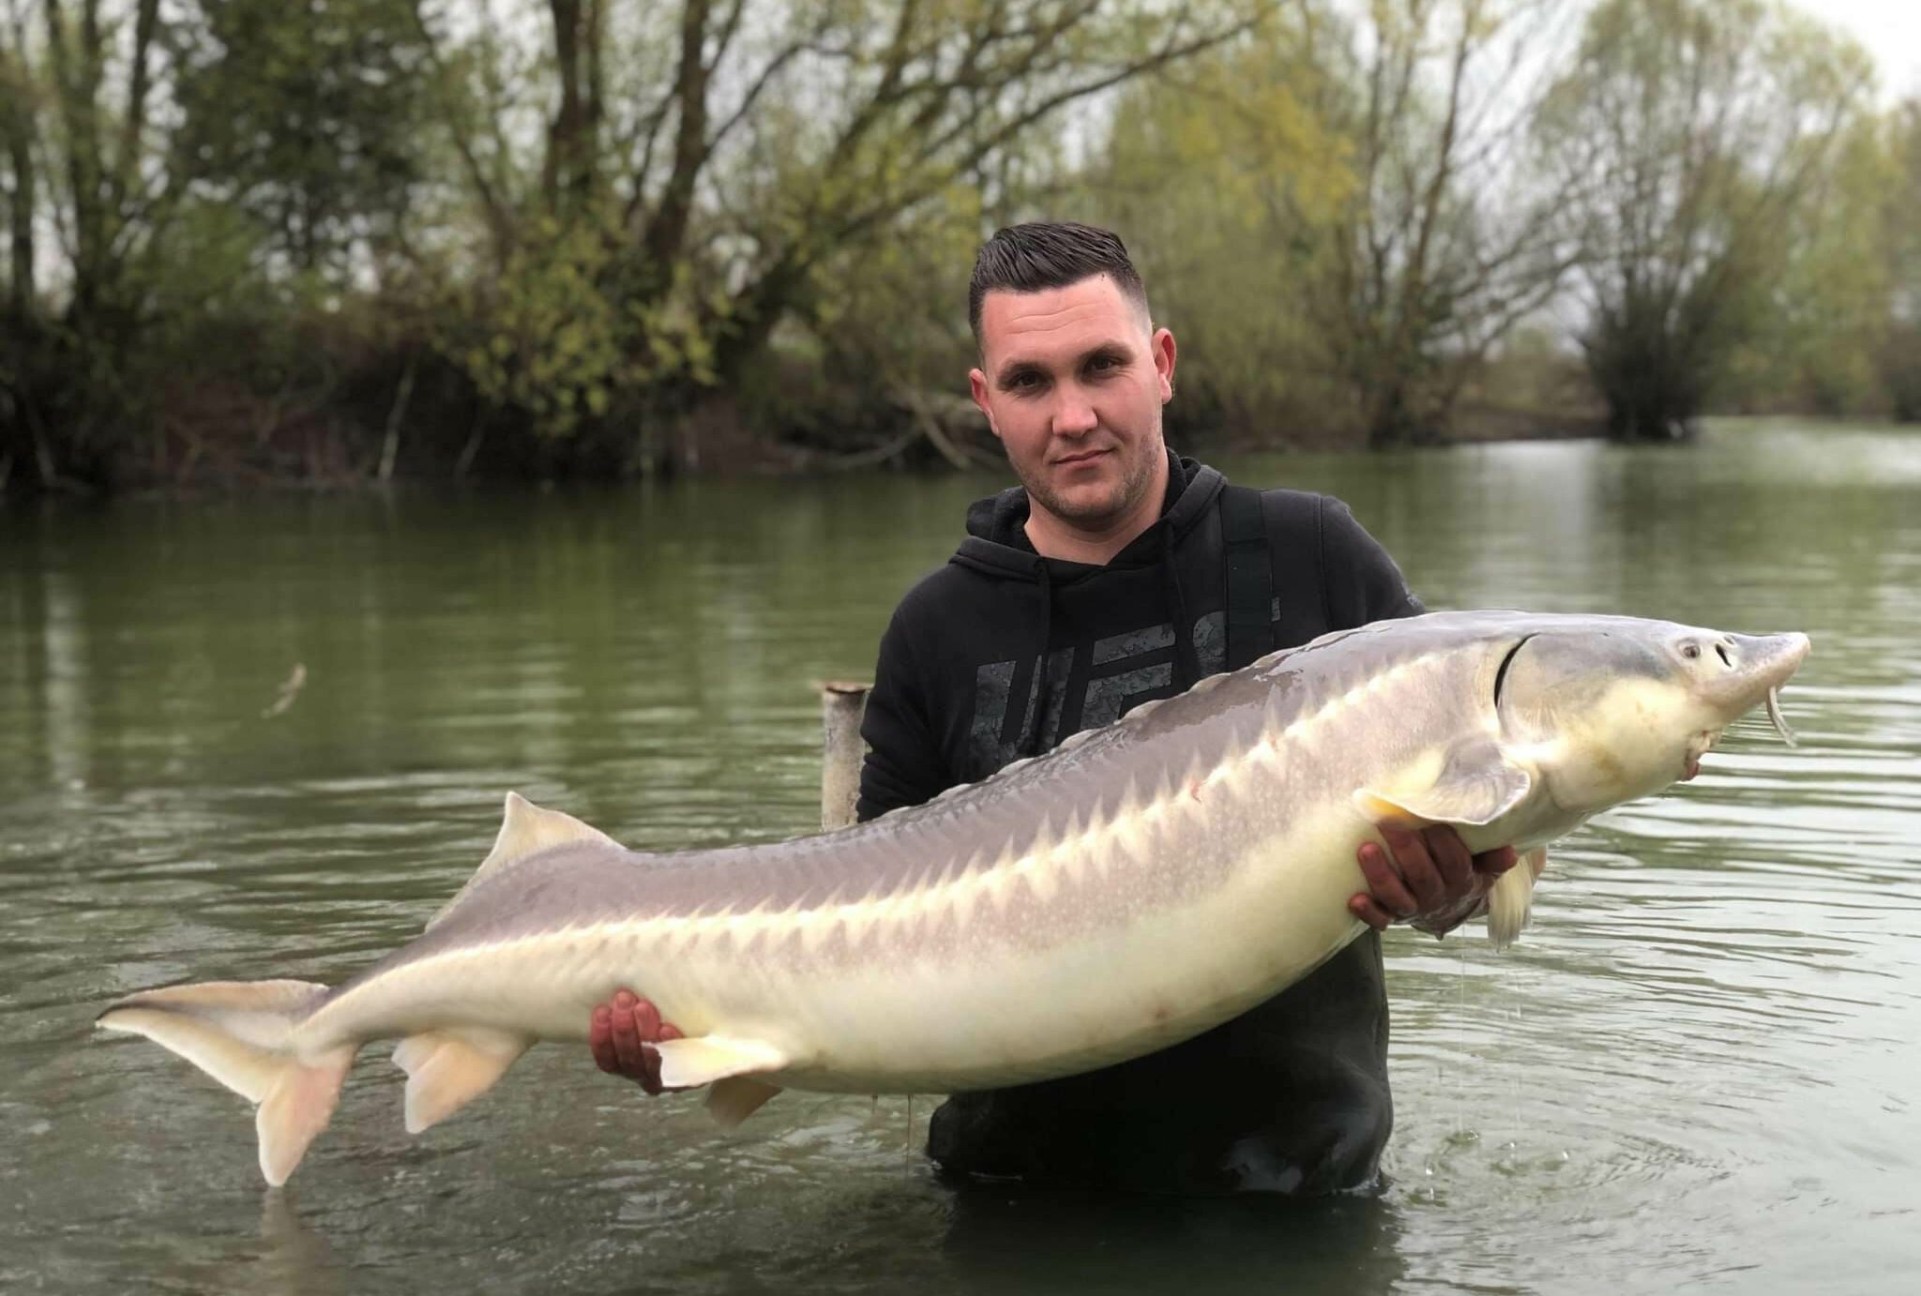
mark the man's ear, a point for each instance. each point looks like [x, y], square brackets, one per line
[977, 388]
[1162, 345]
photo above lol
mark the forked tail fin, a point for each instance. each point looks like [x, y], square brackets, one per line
[242, 1034]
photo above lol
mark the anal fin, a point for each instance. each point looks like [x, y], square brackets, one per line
[447, 1069]
[1511, 899]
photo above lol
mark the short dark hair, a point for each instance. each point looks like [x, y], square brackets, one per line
[1049, 254]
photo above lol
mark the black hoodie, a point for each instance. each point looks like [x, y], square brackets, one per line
[1290, 1097]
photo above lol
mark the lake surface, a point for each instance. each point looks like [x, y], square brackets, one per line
[1699, 1068]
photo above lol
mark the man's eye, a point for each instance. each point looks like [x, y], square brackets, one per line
[1024, 382]
[1104, 364]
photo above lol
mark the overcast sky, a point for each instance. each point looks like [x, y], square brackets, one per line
[1889, 28]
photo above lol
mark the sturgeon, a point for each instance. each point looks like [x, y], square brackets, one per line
[1138, 885]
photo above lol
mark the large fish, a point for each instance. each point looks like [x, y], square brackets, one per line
[1136, 886]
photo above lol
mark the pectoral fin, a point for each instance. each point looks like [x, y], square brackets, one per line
[1512, 898]
[685, 1063]
[1472, 783]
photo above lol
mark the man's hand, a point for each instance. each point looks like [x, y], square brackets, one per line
[1431, 881]
[622, 1033]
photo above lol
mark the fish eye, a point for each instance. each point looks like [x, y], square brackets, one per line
[1690, 650]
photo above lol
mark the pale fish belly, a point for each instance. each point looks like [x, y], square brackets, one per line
[988, 1013]
[1171, 912]
[1111, 939]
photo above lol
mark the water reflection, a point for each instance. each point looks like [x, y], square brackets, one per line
[1014, 1241]
[293, 1259]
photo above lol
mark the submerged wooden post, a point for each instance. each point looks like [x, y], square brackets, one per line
[841, 706]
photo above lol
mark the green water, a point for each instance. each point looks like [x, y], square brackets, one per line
[1698, 1068]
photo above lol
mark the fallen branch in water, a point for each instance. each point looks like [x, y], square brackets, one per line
[289, 690]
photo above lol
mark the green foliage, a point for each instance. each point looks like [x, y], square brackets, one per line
[1817, 336]
[715, 171]
[1899, 359]
[1694, 139]
[892, 313]
[306, 115]
[1232, 182]
[210, 170]
[1319, 204]
[545, 336]
[19, 96]
[607, 231]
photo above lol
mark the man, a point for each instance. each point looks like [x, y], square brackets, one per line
[1114, 574]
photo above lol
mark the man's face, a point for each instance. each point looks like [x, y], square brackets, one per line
[1072, 382]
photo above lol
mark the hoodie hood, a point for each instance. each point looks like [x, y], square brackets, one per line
[997, 543]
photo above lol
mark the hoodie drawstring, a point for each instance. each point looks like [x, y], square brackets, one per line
[1187, 660]
[1030, 743]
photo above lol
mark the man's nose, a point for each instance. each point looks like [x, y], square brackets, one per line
[1074, 415]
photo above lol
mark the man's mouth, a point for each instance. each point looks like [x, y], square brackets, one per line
[1084, 457]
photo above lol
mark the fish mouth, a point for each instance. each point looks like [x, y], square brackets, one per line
[1691, 763]
[1702, 743]
[1766, 662]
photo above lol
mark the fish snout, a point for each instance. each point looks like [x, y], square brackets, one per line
[1738, 671]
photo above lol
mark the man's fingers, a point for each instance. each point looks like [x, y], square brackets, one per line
[600, 1038]
[622, 1034]
[1411, 860]
[1451, 860]
[1385, 887]
[629, 1051]
[1369, 911]
[647, 1025]
[1497, 861]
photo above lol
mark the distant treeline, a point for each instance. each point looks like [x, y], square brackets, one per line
[252, 240]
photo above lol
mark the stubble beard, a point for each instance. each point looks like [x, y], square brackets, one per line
[1131, 489]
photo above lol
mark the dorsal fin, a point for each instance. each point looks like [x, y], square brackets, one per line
[525, 830]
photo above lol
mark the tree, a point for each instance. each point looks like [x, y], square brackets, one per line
[1900, 358]
[21, 433]
[1820, 330]
[19, 107]
[306, 115]
[1339, 197]
[80, 85]
[1232, 183]
[173, 175]
[697, 170]
[1689, 136]
[1450, 243]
